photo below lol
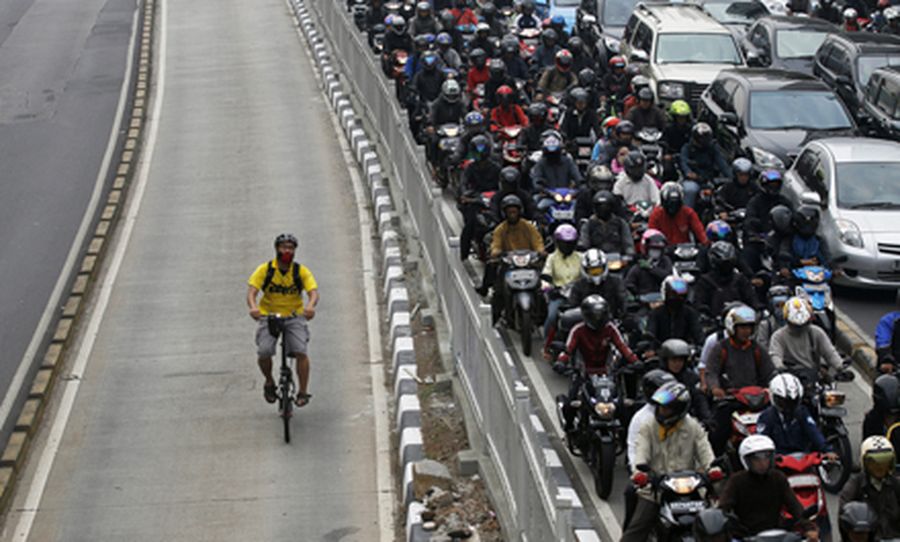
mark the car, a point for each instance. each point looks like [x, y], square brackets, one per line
[767, 115]
[736, 15]
[854, 181]
[846, 61]
[785, 42]
[681, 49]
[881, 104]
[613, 15]
[566, 8]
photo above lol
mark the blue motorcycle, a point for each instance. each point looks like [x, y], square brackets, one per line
[815, 285]
[556, 206]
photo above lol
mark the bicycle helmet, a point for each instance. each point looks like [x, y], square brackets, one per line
[595, 311]
[711, 525]
[671, 197]
[671, 401]
[756, 446]
[674, 348]
[702, 134]
[805, 220]
[739, 316]
[635, 165]
[770, 181]
[719, 230]
[673, 289]
[680, 108]
[781, 217]
[722, 257]
[653, 379]
[877, 456]
[509, 178]
[653, 239]
[398, 24]
[594, 266]
[510, 200]
[587, 77]
[505, 95]
[797, 311]
[857, 517]
[286, 238]
[497, 68]
[600, 177]
[450, 91]
[478, 57]
[604, 204]
[645, 95]
[787, 391]
[886, 394]
[473, 119]
[617, 62]
[481, 147]
[537, 112]
[563, 60]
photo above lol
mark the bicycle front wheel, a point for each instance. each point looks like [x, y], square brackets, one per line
[287, 405]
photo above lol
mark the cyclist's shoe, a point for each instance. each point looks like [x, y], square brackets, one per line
[269, 393]
[302, 399]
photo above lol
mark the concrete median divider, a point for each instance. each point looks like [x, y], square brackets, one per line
[533, 491]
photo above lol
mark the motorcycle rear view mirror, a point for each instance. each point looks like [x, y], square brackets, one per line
[811, 198]
[844, 376]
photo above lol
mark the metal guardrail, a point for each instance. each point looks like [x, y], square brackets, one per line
[538, 494]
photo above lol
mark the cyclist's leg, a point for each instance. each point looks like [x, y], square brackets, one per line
[265, 349]
[297, 335]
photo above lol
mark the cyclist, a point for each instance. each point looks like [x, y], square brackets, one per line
[282, 282]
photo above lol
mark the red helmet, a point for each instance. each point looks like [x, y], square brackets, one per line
[505, 90]
[563, 60]
[617, 62]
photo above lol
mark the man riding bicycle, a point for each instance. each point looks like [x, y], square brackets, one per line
[282, 283]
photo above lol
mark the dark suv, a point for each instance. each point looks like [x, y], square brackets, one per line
[845, 61]
[882, 103]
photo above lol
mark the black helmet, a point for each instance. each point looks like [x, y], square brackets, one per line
[653, 379]
[575, 44]
[722, 257]
[595, 311]
[488, 10]
[886, 394]
[805, 220]
[625, 127]
[509, 177]
[478, 57]
[645, 94]
[701, 133]
[587, 77]
[286, 238]
[672, 401]
[481, 147]
[711, 524]
[578, 94]
[770, 181]
[604, 204]
[423, 9]
[674, 348]
[422, 42]
[632, 71]
[857, 517]
[510, 200]
[671, 197]
[497, 68]
[600, 177]
[635, 165]
[549, 35]
[781, 217]
[509, 47]
[537, 111]
[527, 6]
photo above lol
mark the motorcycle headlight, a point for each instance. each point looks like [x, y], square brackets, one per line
[765, 159]
[683, 485]
[670, 90]
[558, 198]
[605, 410]
[834, 398]
[849, 233]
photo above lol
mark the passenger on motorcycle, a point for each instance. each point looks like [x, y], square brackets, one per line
[736, 361]
[589, 341]
[478, 70]
[507, 113]
[803, 247]
[758, 494]
[558, 77]
[675, 318]
[633, 184]
[776, 297]
[674, 356]
[587, 79]
[545, 53]
[737, 193]
[599, 178]
[449, 57]
[673, 441]
[636, 82]
[876, 487]
[581, 59]
[482, 175]
[722, 283]
[474, 124]
[562, 268]
[498, 78]
[701, 161]
[676, 134]
[615, 82]
[555, 168]
[887, 339]
[424, 22]
[678, 222]
[885, 410]
[483, 40]
[580, 121]
[605, 230]
[800, 346]
[595, 279]
[511, 183]
[532, 137]
[427, 83]
[653, 265]
[622, 136]
[421, 47]
[646, 114]
[526, 17]
[788, 422]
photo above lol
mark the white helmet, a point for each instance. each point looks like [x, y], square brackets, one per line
[797, 311]
[786, 390]
[739, 316]
[850, 14]
[755, 444]
[594, 266]
[876, 454]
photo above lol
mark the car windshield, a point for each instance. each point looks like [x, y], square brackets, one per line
[867, 64]
[696, 49]
[868, 185]
[567, 3]
[735, 12]
[617, 12]
[798, 43]
[797, 109]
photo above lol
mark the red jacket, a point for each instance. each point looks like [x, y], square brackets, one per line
[678, 229]
[477, 77]
[513, 116]
[594, 346]
[464, 16]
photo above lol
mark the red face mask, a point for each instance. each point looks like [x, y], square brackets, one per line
[286, 257]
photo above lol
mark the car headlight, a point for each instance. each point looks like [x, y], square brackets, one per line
[670, 90]
[849, 233]
[766, 159]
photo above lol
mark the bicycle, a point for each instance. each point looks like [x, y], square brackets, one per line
[285, 393]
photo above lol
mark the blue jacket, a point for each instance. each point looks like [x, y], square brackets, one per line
[799, 434]
[884, 332]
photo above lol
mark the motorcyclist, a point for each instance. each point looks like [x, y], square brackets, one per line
[562, 268]
[737, 193]
[675, 318]
[646, 114]
[478, 70]
[497, 28]
[463, 13]
[596, 279]
[375, 15]
[558, 77]
[674, 356]
[885, 410]
[449, 57]
[615, 82]
[776, 297]
[801, 346]
[678, 222]
[857, 522]
[447, 109]
[474, 124]
[887, 339]
[421, 47]
[511, 183]
[633, 184]
[579, 121]
[482, 175]
[555, 168]
[722, 283]
[803, 247]
[580, 58]
[675, 135]
[498, 78]
[653, 265]
[599, 178]
[395, 39]
[758, 494]
[701, 161]
[545, 53]
[892, 21]
[427, 83]
[424, 22]
[507, 113]
[622, 136]
[558, 23]
[788, 422]
[516, 66]
[850, 20]
[876, 487]
[827, 10]
[483, 40]
[590, 340]
[587, 79]
[673, 441]
[636, 82]
[758, 220]
[604, 229]
[736, 361]
[526, 17]
[532, 137]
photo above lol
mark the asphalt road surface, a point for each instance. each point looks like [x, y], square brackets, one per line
[169, 437]
[61, 69]
[865, 307]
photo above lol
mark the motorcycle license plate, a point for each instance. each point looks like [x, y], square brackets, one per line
[563, 214]
[686, 507]
[517, 275]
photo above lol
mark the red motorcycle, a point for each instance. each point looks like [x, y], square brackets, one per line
[508, 139]
[752, 400]
[802, 471]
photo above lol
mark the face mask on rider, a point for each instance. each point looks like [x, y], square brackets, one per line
[654, 254]
[286, 257]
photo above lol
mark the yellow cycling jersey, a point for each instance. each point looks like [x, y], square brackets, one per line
[282, 296]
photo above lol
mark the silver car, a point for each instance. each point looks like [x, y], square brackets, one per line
[856, 181]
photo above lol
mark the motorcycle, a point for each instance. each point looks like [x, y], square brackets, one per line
[829, 412]
[522, 281]
[801, 472]
[360, 9]
[648, 143]
[750, 402]
[684, 261]
[583, 147]
[596, 431]
[556, 206]
[508, 139]
[448, 143]
[485, 221]
[529, 38]
[814, 286]
[681, 496]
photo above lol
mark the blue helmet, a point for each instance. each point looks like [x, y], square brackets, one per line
[473, 118]
[444, 39]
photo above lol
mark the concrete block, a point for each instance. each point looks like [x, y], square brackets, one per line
[400, 325]
[378, 188]
[382, 204]
[368, 159]
[428, 474]
[391, 256]
[361, 149]
[467, 463]
[390, 237]
[387, 220]
[404, 380]
[398, 300]
[404, 354]
[393, 278]
[409, 412]
[411, 447]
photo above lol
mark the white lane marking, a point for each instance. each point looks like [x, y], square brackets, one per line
[383, 475]
[70, 387]
[53, 303]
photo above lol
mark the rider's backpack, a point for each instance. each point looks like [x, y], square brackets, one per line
[295, 271]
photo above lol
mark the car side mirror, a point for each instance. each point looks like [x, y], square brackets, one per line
[639, 55]
[811, 198]
[729, 119]
[754, 59]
